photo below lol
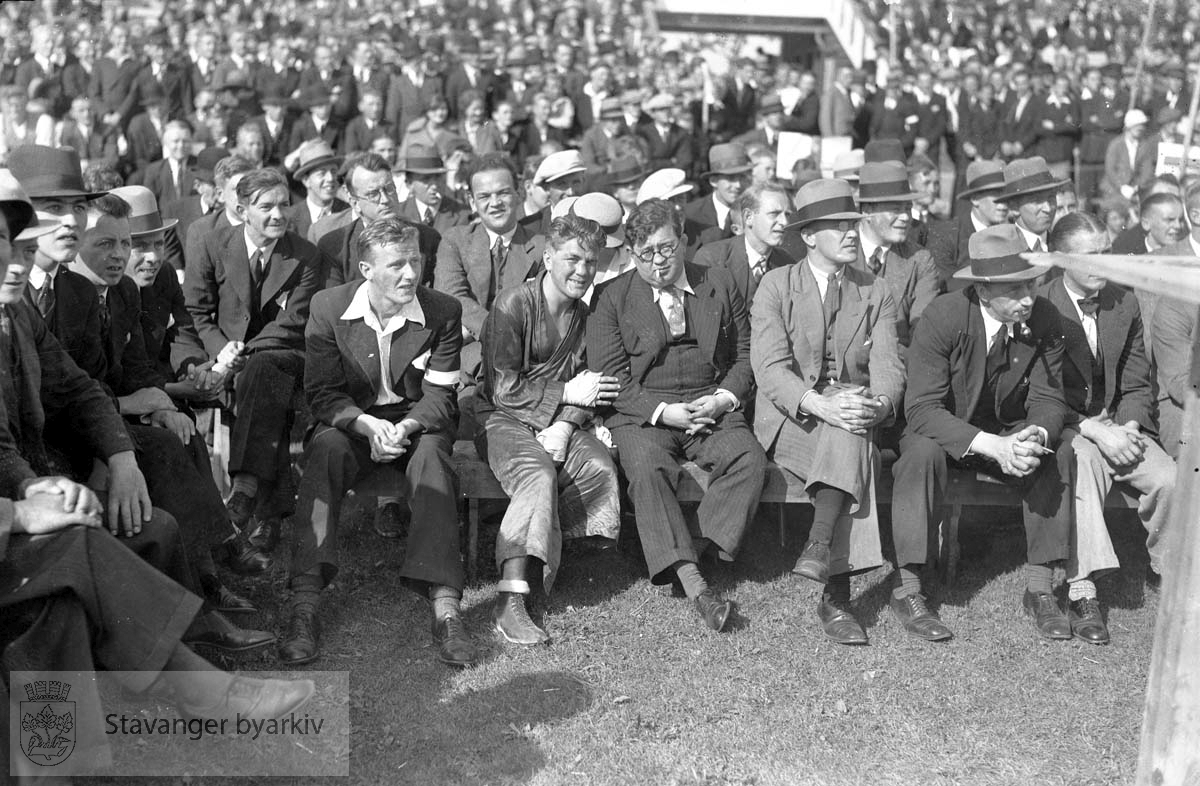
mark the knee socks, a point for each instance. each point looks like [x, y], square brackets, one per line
[909, 581]
[828, 506]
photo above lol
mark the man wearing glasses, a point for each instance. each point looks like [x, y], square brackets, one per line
[677, 338]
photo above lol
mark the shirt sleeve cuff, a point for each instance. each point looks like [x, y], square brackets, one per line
[735, 402]
[800, 411]
[971, 451]
[657, 413]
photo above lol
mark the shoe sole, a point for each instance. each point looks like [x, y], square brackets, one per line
[511, 640]
[810, 575]
[299, 661]
[232, 650]
[848, 643]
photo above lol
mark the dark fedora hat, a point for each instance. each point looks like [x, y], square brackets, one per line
[625, 170]
[273, 95]
[46, 172]
[884, 150]
[830, 200]
[144, 218]
[313, 154]
[996, 257]
[1027, 176]
[421, 160]
[771, 104]
[983, 176]
[884, 181]
[728, 159]
[206, 163]
[314, 95]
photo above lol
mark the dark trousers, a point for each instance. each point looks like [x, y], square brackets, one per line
[650, 458]
[920, 477]
[259, 439]
[335, 460]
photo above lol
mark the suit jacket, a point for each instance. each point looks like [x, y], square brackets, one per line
[1057, 143]
[168, 332]
[218, 291]
[947, 244]
[912, 275]
[836, 113]
[174, 83]
[275, 147]
[1100, 122]
[700, 223]
[101, 144]
[1172, 338]
[676, 150]
[598, 150]
[532, 139]
[52, 87]
[188, 210]
[112, 87]
[933, 123]
[730, 254]
[129, 366]
[787, 344]
[341, 368]
[1130, 241]
[301, 219]
[304, 130]
[806, 116]
[340, 247]
[201, 228]
[1120, 171]
[900, 122]
[626, 335]
[1021, 129]
[464, 268]
[457, 83]
[75, 321]
[739, 109]
[947, 364]
[345, 106]
[1128, 386]
[145, 145]
[286, 82]
[357, 137]
[405, 102]
[157, 178]
[451, 213]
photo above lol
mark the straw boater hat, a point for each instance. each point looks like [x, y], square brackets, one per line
[421, 160]
[313, 154]
[728, 159]
[144, 218]
[830, 200]
[47, 172]
[664, 184]
[884, 181]
[848, 164]
[996, 257]
[982, 177]
[1027, 176]
[605, 211]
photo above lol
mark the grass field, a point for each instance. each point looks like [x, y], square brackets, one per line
[634, 690]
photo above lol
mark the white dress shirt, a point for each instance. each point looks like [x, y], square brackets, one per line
[1090, 328]
[360, 308]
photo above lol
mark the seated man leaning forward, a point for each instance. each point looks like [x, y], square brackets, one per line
[985, 394]
[536, 402]
[381, 367]
[677, 338]
[825, 355]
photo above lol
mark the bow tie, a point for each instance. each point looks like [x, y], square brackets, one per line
[1089, 305]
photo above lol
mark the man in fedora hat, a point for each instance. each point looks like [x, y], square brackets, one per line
[770, 124]
[411, 88]
[884, 196]
[625, 177]
[273, 124]
[1108, 385]
[826, 360]
[316, 169]
[667, 144]
[709, 218]
[170, 178]
[317, 122]
[948, 238]
[764, 210]
[600, 142]
[985, 394]
[1031, 192]
[676, 337]
[207, 198]
[426, 204]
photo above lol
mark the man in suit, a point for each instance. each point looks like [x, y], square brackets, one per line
[363, 72]
[162, 75]
[410, 90]
[589, 101]
[318, 122]
[227, 173]
[170, 178]
[239, 65]
[323, 73]
[600, 147]
[948, 238]
[248, 290]
[676, 337]
[805, 117]
[95, 142]
[145, 130]
[667, 144]
[423, 170]
[894, 116]
[985, 394]
[764, 209]
[771, 122]
[740, 99]
[382, 363]
[316, 169]
[1018, 128]
[838, 109]
[1161, 224]
[825, 357]
[1058, 128]
[277, 76]
[206, 200]
[359, 132]
[933, 119]
[113, 79]
[884, 250]
[1102, 110]
[1031, 193]
[709, 218]
[42, 65]
[1109, 389]
[273, 126]
[1124, 173]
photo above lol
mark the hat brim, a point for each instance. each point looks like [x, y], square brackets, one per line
[966, 274]
[334, 161]
[167, 224]
[970, 192]
[912, 196]
[65, 192]
[844, 216]
[560, 175]
[38, 228]
[1054, 186]
[733, 170]
[416, 170]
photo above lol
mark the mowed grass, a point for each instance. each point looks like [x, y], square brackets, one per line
[633, 690]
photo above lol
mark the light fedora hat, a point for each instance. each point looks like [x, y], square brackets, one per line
[144, 218]
[884, 181]
[983, 176]
[1028, 176]
[313, 154]
[996, 257]
[828, 200]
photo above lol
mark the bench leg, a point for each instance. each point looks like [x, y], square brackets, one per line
[472, 538]
[948, 550]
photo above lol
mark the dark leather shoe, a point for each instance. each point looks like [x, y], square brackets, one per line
[1048, 617]
[1087, 621]
[215, 630]
[266, 535]
[240, 508]
[453, 643]
[227, 601]
[513, 622]
[243, 557]
[917, 619]
[839, 624]
[389, 521]
[256, 699]
[300, 645]
[714, 611]
[814, 562]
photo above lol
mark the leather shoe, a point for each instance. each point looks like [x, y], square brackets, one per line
[1048, 617]
[266, 535]
[714, 611]
[300, 646]
[814, 562]
[513, 622]
[1087, 621]
[838, 623]
[247, 697]
[917, 619]
[390, 521]
[215, 630]
[227, 601]
[240, 507]
[453, 643]
[243, 557]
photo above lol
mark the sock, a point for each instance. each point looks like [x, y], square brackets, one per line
[838, 588]
[445, 601]
[1084, 588]
[1037, 578]
[384, 501]
[306, 593]
[689, 576]
[828, 505]
[909, 581]
[517, 586]
[210, 583]
[245, 483]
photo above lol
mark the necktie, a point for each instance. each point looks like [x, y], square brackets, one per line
[255, 273]
[999, 346]
[1037, 247]
[105, 318]
[875, 263]
[676, 319]
[429, 217]
[833, 298]
[1089, 305]
[759, 270]
[497, 268]
[727, 226]
[45, 298]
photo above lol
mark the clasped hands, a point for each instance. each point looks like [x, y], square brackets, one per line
[1121, 445]
[389, 441]
[53, 503]
[1019, 454]
[851, 408]
[696, 417]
